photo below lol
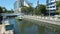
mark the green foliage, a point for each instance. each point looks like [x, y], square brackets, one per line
[27, 9]
[58, 7]
[58, 3]
[40, 9]
[57, 12]
[4, 10]
[1, 10]
[10, 11]
[24, 9]
[30, 9]
[37, 12]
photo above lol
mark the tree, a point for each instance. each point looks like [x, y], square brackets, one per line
[36, 11]
[10, 11]
[27, 10]
[58, 7]
[1, 17]
[41, 9]
[58, 4]
[24, 9]
[57, 12]
[1, 10]
[5, 10]
[30, 9]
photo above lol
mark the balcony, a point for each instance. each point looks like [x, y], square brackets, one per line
[53, 1]
[52, 8]
[53, 4]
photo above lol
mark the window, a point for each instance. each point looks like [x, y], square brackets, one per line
[52, 0]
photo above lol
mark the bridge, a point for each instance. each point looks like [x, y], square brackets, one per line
[9, 15]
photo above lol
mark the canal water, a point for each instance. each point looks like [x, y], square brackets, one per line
[25, 27]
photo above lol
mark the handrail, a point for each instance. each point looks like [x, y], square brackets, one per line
[44, 18]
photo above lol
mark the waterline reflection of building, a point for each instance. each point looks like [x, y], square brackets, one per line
[28, 27]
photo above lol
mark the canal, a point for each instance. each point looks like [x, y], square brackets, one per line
[26, 27]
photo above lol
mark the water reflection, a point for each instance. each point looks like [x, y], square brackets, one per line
[41, 29]
[25, 27]
[31, 28]
[28, 28]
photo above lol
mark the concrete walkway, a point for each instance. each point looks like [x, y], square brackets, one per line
[3, 29]
[47, 20]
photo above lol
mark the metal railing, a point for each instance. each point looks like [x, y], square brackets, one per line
[44, 18]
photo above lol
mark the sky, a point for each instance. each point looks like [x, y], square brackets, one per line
[35, 2]
[9, 4]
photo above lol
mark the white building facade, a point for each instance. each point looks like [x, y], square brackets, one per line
[51, 6]
[18, 5]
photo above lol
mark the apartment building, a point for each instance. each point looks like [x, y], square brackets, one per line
[51, 6]
[18, 5]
